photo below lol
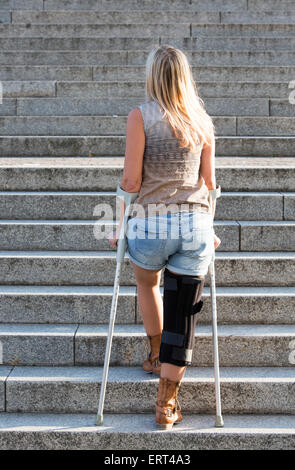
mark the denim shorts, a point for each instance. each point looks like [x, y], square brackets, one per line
[181, 241]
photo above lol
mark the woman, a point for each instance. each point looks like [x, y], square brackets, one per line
[169, 162]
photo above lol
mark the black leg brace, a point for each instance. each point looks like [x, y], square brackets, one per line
[182, 302]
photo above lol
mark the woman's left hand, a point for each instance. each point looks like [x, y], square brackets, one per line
[217, 241]
[113, 239]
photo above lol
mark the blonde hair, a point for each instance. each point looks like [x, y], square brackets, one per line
[169, 81]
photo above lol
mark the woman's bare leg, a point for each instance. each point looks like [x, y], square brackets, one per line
[149, 299]
[151, 309]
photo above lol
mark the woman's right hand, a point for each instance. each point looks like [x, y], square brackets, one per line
[217, 241]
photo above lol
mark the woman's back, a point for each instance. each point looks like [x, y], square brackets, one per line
[170, 176]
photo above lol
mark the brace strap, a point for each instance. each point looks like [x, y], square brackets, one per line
[178, 351]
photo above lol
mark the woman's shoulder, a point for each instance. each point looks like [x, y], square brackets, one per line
[151, 112]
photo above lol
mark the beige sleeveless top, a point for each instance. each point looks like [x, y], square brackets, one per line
[170, 177]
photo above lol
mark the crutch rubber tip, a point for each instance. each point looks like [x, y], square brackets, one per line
[99, 420]
[219, 422]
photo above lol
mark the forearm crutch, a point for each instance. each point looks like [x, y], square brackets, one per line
[122, 244]
[214, 194]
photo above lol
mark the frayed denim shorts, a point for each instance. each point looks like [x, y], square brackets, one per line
[181, 241]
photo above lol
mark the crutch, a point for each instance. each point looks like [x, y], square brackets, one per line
[214, 194]
[122, 244]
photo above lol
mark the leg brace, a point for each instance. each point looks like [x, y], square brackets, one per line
[182, 302]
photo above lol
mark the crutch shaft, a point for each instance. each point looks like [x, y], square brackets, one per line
[219, 420]
[99, 419]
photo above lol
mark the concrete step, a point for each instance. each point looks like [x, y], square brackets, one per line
[173, 30]
[84, 345]
[78, 304]
[76, 390]
[103, 174]
[92, 305]
[68, 205]
[98, 268]
[78, 235]
[238, 345]
[85, 146]
[257, 30]
[252, 17]
[149, 17]
[133, 16]
[130, 89]
[106, 125]
[116, 125]
[215, 5]
[200, 73]
[281, 108]
[19, 4]
[139, 432]
[137, 72]
[144, 43]
[113, 106]
[130, 57]
[5, 17]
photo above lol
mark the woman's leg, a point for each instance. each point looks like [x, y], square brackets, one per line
[149, 299]
[151, 308]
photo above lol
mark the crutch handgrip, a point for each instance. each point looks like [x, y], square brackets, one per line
[128, 198]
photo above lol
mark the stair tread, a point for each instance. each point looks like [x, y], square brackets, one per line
[144, 424]
[101, 289]
[136, 374]
[137, 330]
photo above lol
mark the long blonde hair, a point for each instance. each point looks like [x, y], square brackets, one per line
[169, 81]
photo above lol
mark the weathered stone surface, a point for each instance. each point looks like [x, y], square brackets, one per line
[289, 206]
[43, 72]
[272, 236]
[238, 345]
[86, 106]
[261, 17]
[279, 107]
[86, 125]
[35, 89]
[215, 5]
[121, 432]
[114, 17]
[247, 305]
[33, 344]
[246, 30]
[98, 268]
[103, 174]
[98, 30]
[76, 390]
[72, 304]
[85, 146]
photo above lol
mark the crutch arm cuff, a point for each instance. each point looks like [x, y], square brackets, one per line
[215, 193]
[127, 197]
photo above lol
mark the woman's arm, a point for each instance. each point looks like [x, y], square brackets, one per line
[134, 150]
[207, 167]
[207, 171]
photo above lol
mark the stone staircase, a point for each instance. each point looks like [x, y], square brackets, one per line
[70, 77]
